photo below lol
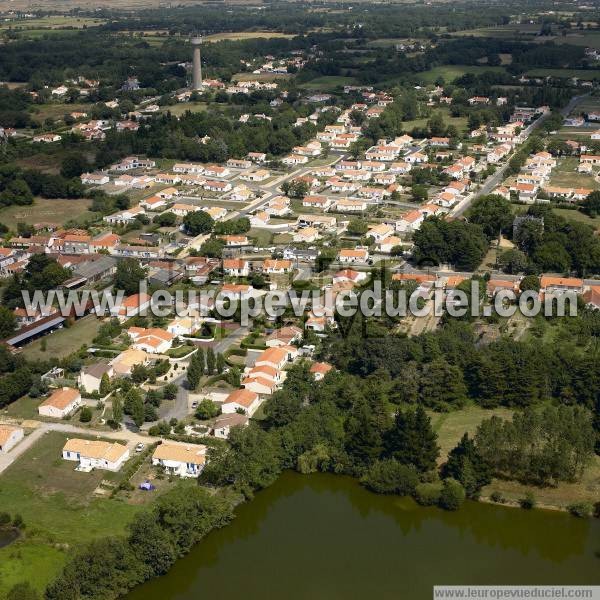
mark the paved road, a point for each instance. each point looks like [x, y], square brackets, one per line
[123, 435]
[494, 180]
[179, 408]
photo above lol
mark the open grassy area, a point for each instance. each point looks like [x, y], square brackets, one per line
[327, 83]
[565, 175]
[49, 211]
[257, 77]
[24, 408]
[52, 21]
[450, 72]
[459, 122]
[182, 107]
[60, 511]
[566, 73]
[451, 426]
[245, 35]
[64, 341]
[577, 216]
[56, 110]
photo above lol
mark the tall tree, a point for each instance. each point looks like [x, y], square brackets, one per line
[412, 441]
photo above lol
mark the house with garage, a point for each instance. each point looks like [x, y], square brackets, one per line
[61, 403]
[95, 454]
[10, 436]
[152, 341]
[183, 460]
[90, 376]
[241, 401]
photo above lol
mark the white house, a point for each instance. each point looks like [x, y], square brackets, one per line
[60, 404]
[152, 341]
[10, 436]
[241, 400]
[95, 454]
[91, 375]
[223, 424]
[184, 460]
[352, 255]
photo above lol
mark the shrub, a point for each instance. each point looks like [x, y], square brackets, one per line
[18, 522]
[452, 495]
[85, 416]
[580, 509]
[597, 510]
[391, 477]
[428, 494]
[528, 502]
[4, 519]
[497, 497]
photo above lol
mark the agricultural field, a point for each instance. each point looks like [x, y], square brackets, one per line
[45, 210]
[258, 77]
[54, 22]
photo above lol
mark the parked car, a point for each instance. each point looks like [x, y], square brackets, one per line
[140, 447]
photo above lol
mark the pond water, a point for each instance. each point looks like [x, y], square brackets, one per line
[322, 536]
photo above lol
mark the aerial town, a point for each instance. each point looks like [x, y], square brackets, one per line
[223, 165]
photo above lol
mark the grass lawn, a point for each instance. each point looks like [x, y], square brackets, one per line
[43, 210]
[64, 341]
[459, 122]
[59, 509]
[327, 83]
[261, 237]
[24, 408]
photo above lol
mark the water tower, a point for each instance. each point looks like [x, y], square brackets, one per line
[197, 65]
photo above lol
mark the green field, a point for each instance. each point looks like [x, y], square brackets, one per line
[565, 175]
[450, 72]
[566, 73]
[245, 35]
[64, 341]
[60, 511]
[182, 107]
[451, 426]
[327, 83]
[48, 211]
[578, 217]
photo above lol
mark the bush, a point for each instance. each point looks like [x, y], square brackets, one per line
[428, 494]
[497, 497]
[4, 519]
[207, 409]
[452, 495]
[581, 509]
[391, 477]
[18, 522]
[528, 502]
[597, 510]
[85, 416]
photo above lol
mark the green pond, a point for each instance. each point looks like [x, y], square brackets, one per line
[322, 536]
